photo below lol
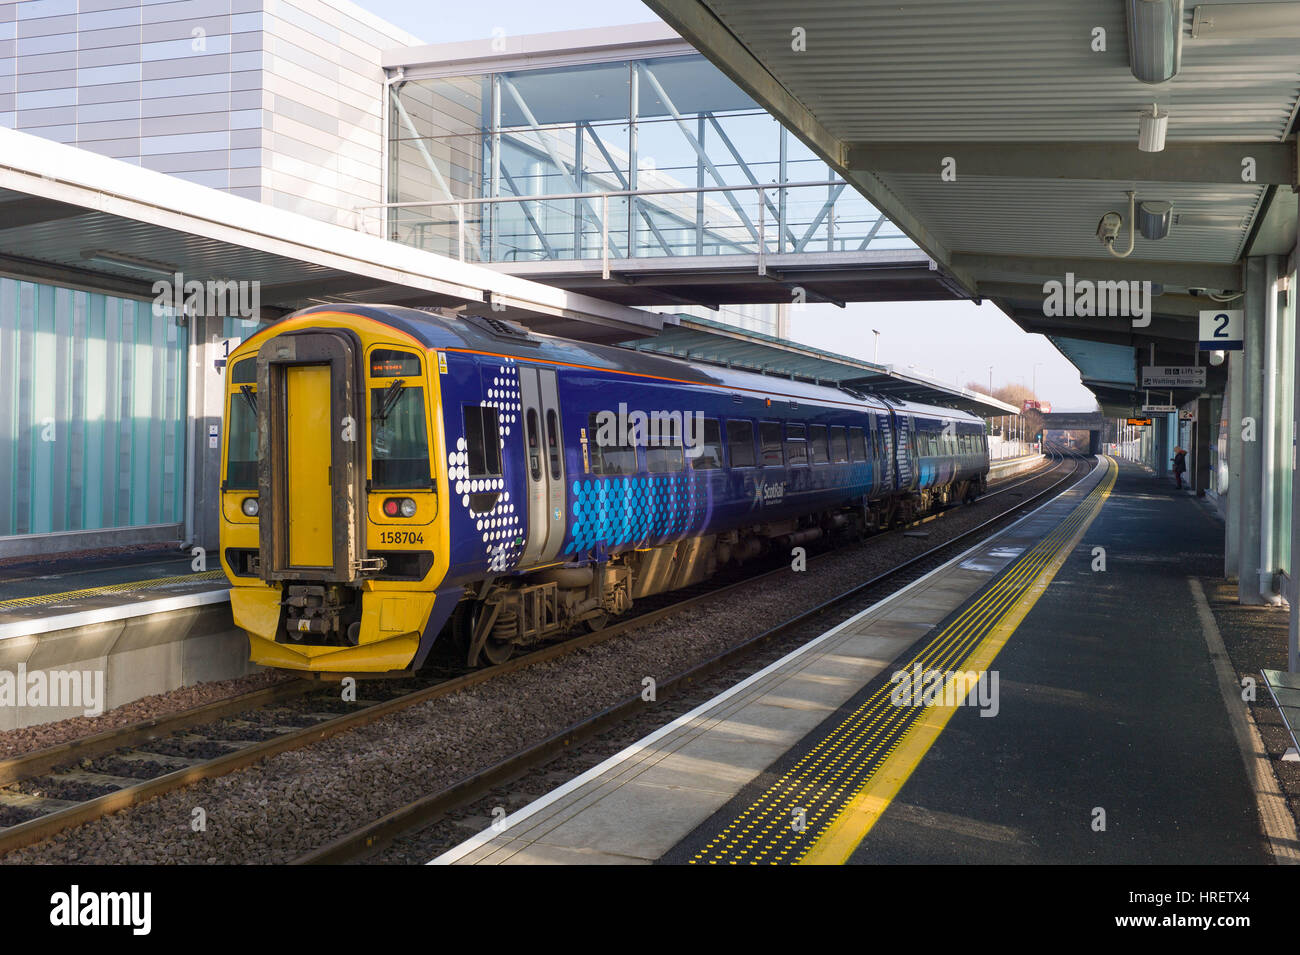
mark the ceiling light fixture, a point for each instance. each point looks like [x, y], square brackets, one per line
[1155, 39]
[1152, 127]
[124, 261]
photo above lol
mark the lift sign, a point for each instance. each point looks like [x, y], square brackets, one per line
[1221, 330]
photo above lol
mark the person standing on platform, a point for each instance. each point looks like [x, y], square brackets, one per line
[1180, 465]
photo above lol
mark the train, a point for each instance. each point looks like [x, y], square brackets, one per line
[392, 477]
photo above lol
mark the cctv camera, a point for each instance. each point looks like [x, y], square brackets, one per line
[1108, 227]
[1216, 357]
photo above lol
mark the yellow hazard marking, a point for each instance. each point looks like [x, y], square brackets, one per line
[158, 582]
[840, 788]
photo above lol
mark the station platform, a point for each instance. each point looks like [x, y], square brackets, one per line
[147, 620]
[1095, 723]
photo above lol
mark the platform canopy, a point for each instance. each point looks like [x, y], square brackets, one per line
[998, 134]
[703, 340]
[77, 219]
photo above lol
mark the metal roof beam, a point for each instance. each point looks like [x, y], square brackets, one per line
[1115, 331]
[1171, 303]
[1274, 163]
[1213, 275]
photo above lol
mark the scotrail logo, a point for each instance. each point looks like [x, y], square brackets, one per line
[214, 298]
[1083, 298]
[64, 689]
[921, 687]
[656, 429]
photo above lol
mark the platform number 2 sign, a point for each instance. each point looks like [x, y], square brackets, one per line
[1221, 329]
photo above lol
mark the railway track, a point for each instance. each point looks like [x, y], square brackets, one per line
[45, 792]
[378, 833]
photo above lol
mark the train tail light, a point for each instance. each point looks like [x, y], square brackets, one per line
[399, 507]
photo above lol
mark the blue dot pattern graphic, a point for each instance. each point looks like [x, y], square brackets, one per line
[634, 510]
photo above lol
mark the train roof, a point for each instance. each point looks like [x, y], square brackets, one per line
[486, 334]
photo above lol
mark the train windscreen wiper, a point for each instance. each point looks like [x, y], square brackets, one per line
[389, 399]
[250, 396]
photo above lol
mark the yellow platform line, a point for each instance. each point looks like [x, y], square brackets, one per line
[837, 843]
[846, 747]
[41, 599]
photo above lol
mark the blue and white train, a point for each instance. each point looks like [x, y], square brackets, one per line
[392, 476]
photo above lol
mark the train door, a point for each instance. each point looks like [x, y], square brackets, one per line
[310, 474]
[543, 465]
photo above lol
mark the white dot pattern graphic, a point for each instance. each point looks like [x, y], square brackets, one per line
[500, 529]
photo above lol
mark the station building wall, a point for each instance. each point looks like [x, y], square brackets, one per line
[92, 412]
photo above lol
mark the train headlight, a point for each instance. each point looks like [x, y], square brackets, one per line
[399, 507]
[249, 507]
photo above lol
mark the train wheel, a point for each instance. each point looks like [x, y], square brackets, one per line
[497, 651]
[596, 623]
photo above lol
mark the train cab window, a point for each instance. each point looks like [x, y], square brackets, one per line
[818, 450]
[482, 441]
[858, 444]
[769, 433]
[839, 446]
[709, 455]
[399, 432]
[740, 443]
[665, 455]
[796, 446]
[553, 442]
[241, 442]
[605, 454]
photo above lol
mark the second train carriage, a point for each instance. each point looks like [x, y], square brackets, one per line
[390, 475]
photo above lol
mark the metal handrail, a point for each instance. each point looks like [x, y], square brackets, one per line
[612, 193]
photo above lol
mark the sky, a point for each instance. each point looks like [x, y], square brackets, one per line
[952, 341]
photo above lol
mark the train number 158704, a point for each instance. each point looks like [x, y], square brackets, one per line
[401, 537]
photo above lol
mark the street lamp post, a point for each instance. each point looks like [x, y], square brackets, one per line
[875, 358]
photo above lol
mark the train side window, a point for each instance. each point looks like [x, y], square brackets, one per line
[553, 442]
[534, 446]
[769, 432]
[709, 457]
[796, 446]
[606, 455]
[666, 457]
[839, 446]
[858, 444]
[483, 444]
[740, 443]
[818, 450]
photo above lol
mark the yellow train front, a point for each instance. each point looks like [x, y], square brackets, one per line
[331, 531]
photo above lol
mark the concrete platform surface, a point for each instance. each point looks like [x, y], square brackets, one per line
[647, 802]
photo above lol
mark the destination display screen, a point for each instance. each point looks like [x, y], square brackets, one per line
[386, 363]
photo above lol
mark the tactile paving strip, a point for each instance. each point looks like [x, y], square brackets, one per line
[821, 785]
[132, 586]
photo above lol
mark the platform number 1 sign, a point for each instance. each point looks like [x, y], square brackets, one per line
[1221, 329]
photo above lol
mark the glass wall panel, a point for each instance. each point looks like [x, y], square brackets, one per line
[92, 411]
[693, 148]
